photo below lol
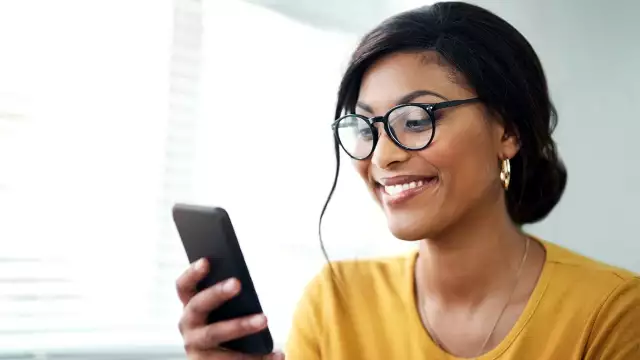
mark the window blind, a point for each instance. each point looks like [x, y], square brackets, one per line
[84, 105]
[128, 107]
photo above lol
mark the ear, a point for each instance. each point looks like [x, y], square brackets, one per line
[507, 142]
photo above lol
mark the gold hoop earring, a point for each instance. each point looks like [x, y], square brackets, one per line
[505, 173]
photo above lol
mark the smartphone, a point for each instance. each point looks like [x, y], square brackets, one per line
[206, 232]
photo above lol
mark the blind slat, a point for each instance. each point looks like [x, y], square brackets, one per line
[95, 295]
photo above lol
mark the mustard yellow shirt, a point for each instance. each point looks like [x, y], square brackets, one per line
[580, 309]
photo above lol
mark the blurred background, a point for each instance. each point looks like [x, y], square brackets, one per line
[111, 111]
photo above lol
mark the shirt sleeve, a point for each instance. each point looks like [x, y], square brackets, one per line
[306, 329]
[616, 330]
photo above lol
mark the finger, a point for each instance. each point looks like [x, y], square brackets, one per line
[187, 282]
[201, 304]
[211, 336]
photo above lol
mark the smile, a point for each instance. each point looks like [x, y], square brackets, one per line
[398, 193]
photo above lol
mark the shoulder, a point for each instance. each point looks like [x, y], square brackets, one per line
[573, 275]
[606, 297]
[615, 333]
[566, 257]
[344, 285]
[358, 276]
[344, 293]
[571, 266]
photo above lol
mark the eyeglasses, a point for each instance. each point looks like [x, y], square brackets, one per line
[410, 126]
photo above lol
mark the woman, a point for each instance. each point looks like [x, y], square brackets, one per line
[446, 114]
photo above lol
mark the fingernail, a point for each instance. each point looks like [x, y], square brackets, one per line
[199, 265]
[229, 285]
[278, 356]
[257, 321]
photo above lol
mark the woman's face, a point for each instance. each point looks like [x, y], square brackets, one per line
[457, 176]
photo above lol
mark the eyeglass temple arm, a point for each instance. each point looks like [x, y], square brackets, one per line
[432, 107]
[452, 103]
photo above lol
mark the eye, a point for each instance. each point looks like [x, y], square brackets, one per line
[410, 118]
[418, 125]
[365, 133]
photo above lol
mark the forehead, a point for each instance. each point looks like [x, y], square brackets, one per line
[396, 75]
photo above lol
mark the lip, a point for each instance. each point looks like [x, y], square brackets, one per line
[398, 199]
[388, 181]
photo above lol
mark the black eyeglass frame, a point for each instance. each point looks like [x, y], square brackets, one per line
[429, 108]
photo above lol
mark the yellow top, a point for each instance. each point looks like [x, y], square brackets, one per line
[579, 310]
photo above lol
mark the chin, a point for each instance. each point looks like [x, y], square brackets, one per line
[412, 228]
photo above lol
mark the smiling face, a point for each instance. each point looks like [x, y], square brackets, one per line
[425, 192]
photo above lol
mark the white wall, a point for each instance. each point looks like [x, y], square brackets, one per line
[589, 49]
[591, 53]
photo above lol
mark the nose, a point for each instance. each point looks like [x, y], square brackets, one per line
[387, 153]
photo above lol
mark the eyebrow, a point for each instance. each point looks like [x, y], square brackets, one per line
[404, 99]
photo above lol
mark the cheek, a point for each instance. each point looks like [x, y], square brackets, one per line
[464, 158]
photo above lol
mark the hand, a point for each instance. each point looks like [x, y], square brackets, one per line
[202, 341]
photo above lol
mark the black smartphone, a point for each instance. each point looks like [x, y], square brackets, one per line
[206, 232]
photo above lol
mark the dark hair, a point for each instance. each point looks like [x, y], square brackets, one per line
[494, 59]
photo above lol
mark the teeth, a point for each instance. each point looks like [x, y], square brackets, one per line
[397, 189]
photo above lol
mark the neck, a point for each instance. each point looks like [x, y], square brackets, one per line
[464, 264]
